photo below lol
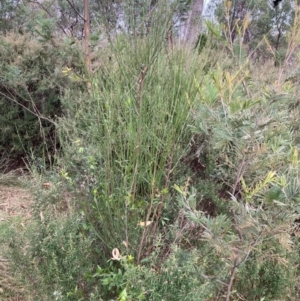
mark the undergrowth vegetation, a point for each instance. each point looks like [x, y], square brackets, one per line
[176, 176]
[31, 87]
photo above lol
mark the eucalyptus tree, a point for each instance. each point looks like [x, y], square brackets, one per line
[192, 23]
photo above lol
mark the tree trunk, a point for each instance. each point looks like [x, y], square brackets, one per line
[193, 23]
[87, 43]
[87, 35]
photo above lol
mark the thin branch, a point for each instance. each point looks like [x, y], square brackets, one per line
[25, 108]
[251, 247]
[47, 11]
[232, 276]
[76, 11]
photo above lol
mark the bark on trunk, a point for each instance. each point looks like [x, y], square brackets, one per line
[87, 43]
[193, 25]
[87, 35]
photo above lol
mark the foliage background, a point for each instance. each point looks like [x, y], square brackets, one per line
[164, 174]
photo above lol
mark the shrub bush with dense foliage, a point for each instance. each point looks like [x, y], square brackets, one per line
[184, 177]
[31, 87]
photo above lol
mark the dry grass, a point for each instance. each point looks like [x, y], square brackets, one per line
[14, 201]
[14, 209]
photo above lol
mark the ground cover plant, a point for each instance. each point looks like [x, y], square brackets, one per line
[175, 175]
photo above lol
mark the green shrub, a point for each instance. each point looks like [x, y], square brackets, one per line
[53, 258]
[125, 139]
[268, 277]
[31, 87]
[180, 277]
[248, 149]
[192, 176]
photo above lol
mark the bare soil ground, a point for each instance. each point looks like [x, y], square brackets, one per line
[14, 205]
[14, 201]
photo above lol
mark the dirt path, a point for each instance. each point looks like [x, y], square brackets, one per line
[14, 201]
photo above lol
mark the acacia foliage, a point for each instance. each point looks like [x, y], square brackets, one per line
[253, 23]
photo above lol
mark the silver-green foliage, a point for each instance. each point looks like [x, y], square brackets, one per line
[250, 147]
